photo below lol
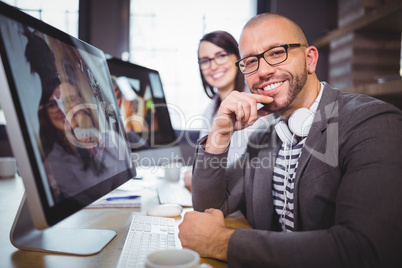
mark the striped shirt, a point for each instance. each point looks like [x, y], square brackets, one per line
[284, 176]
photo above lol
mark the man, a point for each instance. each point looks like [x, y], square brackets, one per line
[327, 199]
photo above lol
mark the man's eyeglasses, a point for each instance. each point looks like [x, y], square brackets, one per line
[219, 59]
[272, 56]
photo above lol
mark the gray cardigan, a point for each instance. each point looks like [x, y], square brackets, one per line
[347, 197]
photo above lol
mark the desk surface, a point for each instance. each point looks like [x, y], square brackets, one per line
[118, 219]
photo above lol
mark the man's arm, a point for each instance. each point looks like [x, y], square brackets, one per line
[210, 186]
[209, 183]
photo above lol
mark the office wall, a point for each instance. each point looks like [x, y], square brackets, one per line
[5, 147]
[105, 24]
[316, 17]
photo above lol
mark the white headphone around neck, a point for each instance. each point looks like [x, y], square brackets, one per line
[299, 123]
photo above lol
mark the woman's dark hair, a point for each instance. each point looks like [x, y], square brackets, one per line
[227, 42]
[42, 61]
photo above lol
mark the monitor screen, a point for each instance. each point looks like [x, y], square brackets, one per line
[62, 116]
[145, 113]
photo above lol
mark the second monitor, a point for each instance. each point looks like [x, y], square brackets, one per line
[143, 105]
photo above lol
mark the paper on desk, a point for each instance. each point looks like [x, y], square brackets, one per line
[118, 203]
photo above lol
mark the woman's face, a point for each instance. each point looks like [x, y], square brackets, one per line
[80, 120]
[56, 115]
[222, 76]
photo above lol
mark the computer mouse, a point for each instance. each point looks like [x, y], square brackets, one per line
[165, 210]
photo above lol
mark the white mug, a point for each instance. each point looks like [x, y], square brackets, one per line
[177, 258]
[8, 167]
[173, 171]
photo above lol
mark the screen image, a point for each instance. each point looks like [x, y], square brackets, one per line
[142, 105]
[67, 110]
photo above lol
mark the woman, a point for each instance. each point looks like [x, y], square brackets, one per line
[217, 54]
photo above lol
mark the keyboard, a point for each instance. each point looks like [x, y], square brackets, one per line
[147, 234]
[174, 193]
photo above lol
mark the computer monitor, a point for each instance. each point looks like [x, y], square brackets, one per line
[65, 131]
[142, 103]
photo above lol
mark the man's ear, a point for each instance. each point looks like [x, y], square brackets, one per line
[312, 59]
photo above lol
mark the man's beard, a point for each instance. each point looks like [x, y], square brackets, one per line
[295, 87]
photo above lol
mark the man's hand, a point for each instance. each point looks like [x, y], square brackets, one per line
[205, 233]
[236, 112]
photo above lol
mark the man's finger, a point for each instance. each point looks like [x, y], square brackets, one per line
[213, 211]
[262, 98]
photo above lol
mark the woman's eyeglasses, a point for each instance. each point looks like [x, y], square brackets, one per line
[219, 59]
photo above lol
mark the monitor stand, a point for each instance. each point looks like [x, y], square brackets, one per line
[25, 236]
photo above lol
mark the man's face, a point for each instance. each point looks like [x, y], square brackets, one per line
[282, 82]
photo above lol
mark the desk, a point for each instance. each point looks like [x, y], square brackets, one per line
[118, 219]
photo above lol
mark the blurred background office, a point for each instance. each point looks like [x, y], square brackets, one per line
[163, 34]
